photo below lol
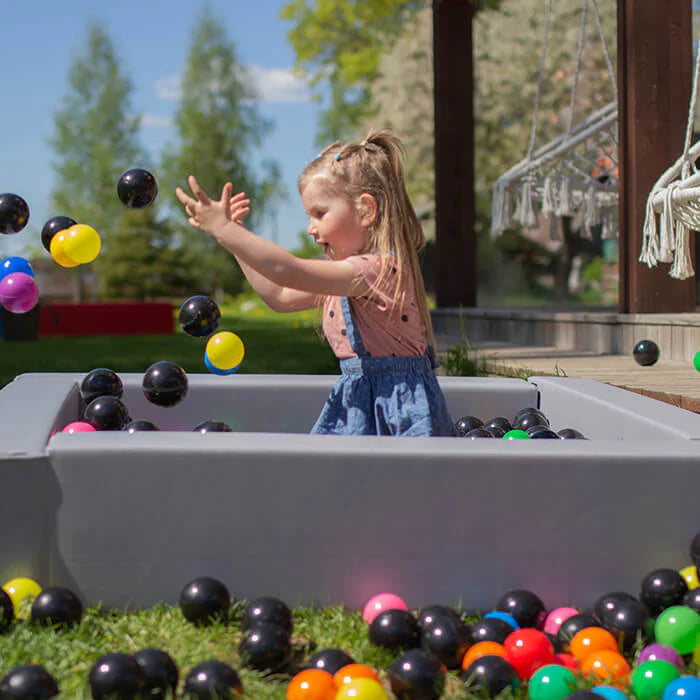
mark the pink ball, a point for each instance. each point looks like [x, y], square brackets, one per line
[381, 602]
[557, 618]
[78, 426]
[18, 292]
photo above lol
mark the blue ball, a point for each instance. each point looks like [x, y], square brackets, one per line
[506, 617]
[15, 264]
[683, 688]
[609, 693]
[216, 370]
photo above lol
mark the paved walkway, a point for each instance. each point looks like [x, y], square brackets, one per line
[671, 381]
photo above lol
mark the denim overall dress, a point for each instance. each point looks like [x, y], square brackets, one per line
[384, 395]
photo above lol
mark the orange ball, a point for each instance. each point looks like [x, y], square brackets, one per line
[312, 684]
[606, 665]
[482, 649]
[591, 639]
[351, 671]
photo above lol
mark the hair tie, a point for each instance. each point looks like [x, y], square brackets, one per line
[337, 156]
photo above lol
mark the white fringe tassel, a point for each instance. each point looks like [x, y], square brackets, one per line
[649, 255]
[682, 267]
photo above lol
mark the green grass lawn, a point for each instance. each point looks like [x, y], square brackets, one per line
[274, 343]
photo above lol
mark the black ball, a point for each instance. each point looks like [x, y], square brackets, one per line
[160, 670]
[646, 353]
[116, 675]
[139, 424]
[692, 599]
[137, 188]
[606, 606]
[204, 600]
[661, 589]
[417, 674]
[31, 682]
[101, 382]
[496, 431]
[395, 629]
[212, 426]
[478, 433]
[489, 675]
[583, 695]
[528, 409]
[500, 422]
[165, 383]
[695, 550]
[266, 647]
[267, 609]
[571, 434]
[527, 420]
[541, 432]
[56, 606]
[490, 629]
[52, 227]
[7, 611]
[627, 621]
[106, 413]
[331, 660]
[467, 423]
[14, 213]
[199, 316]
[448, 639]
[525, 606]
[575, 624]
[429, 613]
[212, 679]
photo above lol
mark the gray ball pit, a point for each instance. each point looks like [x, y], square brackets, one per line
[128, 519]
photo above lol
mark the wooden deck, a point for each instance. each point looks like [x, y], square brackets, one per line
[671, 381]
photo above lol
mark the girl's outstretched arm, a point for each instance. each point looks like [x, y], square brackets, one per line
[278, 298]
[322, 277]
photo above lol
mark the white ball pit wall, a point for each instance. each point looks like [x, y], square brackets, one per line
[128, 519]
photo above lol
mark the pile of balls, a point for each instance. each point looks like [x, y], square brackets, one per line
[527, 423]
[199, 317]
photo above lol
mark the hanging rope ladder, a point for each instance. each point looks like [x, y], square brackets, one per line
[575, 172]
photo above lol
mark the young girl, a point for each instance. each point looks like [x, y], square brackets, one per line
[375, 314]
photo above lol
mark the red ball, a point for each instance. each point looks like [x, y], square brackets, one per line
[526, 650]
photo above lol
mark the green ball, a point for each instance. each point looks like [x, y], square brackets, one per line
[696, 360]
[516, 435]
[678, 627]
[551, 682]
[649, 679]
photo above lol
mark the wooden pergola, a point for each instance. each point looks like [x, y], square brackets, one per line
[654, 70]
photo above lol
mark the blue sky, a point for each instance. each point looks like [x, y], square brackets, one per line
[151, 37]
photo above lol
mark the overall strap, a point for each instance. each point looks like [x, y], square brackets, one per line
[358, 347]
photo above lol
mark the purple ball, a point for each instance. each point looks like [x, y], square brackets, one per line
[661, 652]
[18, 292]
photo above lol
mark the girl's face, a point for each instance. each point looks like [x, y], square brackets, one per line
[334, 222]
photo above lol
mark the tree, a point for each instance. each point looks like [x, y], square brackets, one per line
[218, 127]
[95, 140]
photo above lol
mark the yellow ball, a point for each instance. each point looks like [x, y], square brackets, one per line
[362, 689]
[225, 350]
[57, 251]
[81, 243]
[22, 592]
[690, 576]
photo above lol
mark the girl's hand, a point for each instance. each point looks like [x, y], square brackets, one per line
[239, 206]
[202, 212]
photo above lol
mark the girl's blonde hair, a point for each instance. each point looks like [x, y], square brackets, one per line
[375, 166]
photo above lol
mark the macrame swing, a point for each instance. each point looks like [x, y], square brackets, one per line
[575, 172]
[675, 200]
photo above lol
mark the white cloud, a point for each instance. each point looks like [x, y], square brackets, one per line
[279, 85]
[156, 120]
[169, 88]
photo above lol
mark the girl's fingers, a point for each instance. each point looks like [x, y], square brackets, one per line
[183, 196]
[197, 190]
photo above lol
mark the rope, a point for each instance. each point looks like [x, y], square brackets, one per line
[608, 61]
[577, 71]
[691, 110]
[538, 93]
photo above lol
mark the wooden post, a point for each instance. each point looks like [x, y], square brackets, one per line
[655, 69]
[454, 152]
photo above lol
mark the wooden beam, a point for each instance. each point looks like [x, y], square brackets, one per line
[655, 69]
[454, 152]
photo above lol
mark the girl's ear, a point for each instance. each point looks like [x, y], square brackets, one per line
[367, 208]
